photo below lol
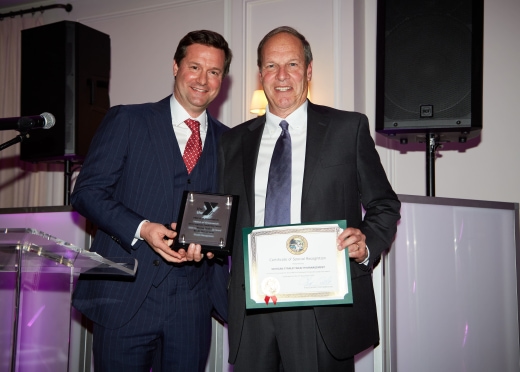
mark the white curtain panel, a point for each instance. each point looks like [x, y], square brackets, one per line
[22, 184]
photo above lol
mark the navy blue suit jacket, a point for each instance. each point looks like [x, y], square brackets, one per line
[134, 171]
[342, 173]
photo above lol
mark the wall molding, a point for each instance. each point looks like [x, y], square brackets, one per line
[144, 10]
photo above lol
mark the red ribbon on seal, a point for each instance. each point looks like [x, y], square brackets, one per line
[272, 298]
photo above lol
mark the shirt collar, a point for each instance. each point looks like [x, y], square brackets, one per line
[297, 119]
[179, 115]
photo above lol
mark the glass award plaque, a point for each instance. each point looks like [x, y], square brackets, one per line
[208, 220]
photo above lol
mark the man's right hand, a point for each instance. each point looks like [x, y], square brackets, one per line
[160, 239]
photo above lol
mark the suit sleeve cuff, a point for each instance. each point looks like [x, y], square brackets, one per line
[137, 235]
[365, 261]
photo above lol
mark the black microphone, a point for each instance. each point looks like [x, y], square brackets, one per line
[26, 123]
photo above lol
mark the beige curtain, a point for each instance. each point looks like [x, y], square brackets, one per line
[21, 184]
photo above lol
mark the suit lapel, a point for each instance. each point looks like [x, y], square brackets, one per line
[317, 126]
[212, 136]
[161, 132]
[208, 152]
[250, 147]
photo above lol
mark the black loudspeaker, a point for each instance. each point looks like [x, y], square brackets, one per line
[429, 69]
[65, 71]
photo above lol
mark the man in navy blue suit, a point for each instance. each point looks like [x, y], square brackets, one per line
[130, 186]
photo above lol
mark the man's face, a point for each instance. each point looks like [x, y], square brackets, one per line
[198, 77]
[283, 74]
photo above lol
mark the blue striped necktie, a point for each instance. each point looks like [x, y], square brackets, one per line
[278, 195]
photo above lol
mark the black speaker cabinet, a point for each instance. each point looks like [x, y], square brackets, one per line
[65, 71]
[429, 69]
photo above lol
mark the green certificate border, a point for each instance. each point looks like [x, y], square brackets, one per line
[283, 301]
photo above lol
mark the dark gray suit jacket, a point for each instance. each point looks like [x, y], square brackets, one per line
[343, 173]
[134, 171]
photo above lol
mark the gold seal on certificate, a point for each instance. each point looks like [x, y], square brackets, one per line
[296, 265]
[208, 220]
[297, 244]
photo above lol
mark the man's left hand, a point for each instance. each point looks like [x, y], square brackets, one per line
[194, 253]
[355, 241]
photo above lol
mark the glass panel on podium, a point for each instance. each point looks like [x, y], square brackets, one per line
[452, 279]
[37, 276]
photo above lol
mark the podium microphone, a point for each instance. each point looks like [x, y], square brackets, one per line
[26, 123]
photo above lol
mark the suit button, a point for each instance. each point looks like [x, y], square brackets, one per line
[243, 286]
[156, 263]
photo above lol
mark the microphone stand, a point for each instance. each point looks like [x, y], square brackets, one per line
[18, 139]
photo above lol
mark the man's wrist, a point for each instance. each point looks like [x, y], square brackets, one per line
[137, 235]
[365, 261]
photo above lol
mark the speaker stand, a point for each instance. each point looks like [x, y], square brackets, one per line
[431, 147]
[68, 166]
[68, 181]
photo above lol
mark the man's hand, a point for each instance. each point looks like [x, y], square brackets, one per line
[160, 239]
[354, 239]
[194, 253]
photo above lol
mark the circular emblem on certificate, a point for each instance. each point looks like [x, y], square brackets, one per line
[270, 286]
[297, 244]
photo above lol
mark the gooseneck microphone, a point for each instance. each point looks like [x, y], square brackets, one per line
[26, 123]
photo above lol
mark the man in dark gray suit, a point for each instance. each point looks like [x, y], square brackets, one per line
[140, 161]
[335, 171]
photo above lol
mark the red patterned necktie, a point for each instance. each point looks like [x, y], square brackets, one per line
[193, 148]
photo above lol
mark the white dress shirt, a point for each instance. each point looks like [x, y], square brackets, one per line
[182, 131]
[298, 130]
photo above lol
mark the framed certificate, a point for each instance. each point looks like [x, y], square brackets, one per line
[296, 265]
[208, 220]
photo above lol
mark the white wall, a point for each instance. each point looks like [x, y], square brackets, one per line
[144, 35]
